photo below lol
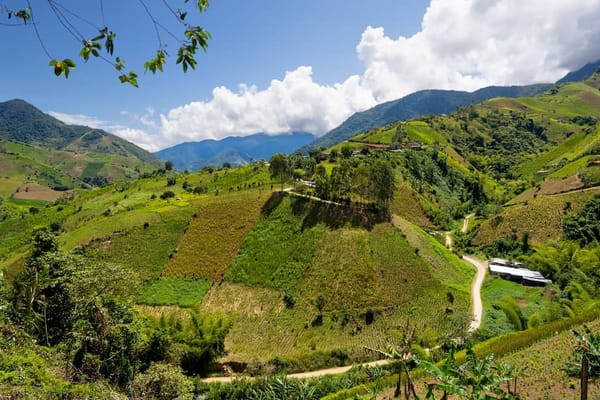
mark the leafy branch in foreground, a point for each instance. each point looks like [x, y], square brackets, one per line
[102, 44]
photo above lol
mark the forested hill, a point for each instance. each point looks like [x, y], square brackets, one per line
[415, 105]
[22, 122]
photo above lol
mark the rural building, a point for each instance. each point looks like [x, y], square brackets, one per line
[514, 271]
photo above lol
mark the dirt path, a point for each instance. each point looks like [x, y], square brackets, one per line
[448, 240]
[290, 190]
[465, 226]
[476, 291]
[304, 375]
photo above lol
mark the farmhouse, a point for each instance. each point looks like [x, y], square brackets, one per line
[514, 271]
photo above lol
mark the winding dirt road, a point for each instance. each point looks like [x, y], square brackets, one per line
[308, 374]
[476, 291]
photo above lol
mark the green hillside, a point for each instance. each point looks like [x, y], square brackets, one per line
[300, 263]
[21, 122]
[541, 216]
[415, 105]
[37, 148]
[302, 284]
[326, 278]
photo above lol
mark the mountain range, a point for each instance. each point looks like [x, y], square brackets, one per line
[241, 150]
[233, 150]
[24, 123]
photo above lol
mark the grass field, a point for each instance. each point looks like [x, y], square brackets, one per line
[543, 362]
[336, 276]
[215, 234]
[410, 205]
[174, 291]
[541, 216]
[278, 250]
[529, 300]
[571, 149]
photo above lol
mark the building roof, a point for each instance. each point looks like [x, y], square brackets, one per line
[523, 273]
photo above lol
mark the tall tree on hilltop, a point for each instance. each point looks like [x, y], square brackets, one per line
[383, 182]
[279, 167]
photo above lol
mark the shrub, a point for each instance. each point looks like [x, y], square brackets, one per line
[288, 300]
[163, 381]
[369, 316]
[167, 195]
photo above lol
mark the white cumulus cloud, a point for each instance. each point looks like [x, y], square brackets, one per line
[78, 119]
[295, 103]
[462, 45]
[468, 44]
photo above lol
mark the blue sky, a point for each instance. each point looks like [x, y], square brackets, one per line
[283, 65]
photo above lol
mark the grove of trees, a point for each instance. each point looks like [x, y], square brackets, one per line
[368, 179]
[83, 311]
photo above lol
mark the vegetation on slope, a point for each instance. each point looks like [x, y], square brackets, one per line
[544, 368]
[311, 278]
[214, 235]
[541, 217]
[331, 287]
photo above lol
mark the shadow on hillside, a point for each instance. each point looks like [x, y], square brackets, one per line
[335, 216]
[272, 203]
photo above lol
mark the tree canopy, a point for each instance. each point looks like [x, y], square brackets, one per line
[97, 38]
[584, 226]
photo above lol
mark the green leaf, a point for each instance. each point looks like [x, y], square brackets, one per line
[202, 5]
[120, 64]
[156, 63]
[130, 78]
[62, 67]
[58, 69]
[24, 14]
[85, 53]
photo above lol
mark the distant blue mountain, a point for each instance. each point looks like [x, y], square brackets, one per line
[234, 150]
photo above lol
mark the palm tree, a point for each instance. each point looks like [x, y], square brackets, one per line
[403, 353]
[475, 379]
[588, 348]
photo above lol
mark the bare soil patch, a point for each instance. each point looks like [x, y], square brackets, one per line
[34, 191]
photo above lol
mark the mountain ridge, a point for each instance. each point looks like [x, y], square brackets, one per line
[582, 73]
[36, 147]
[236, 150]
[22, 122]
[414, 105]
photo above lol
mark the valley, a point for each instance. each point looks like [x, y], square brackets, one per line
[117, 262]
